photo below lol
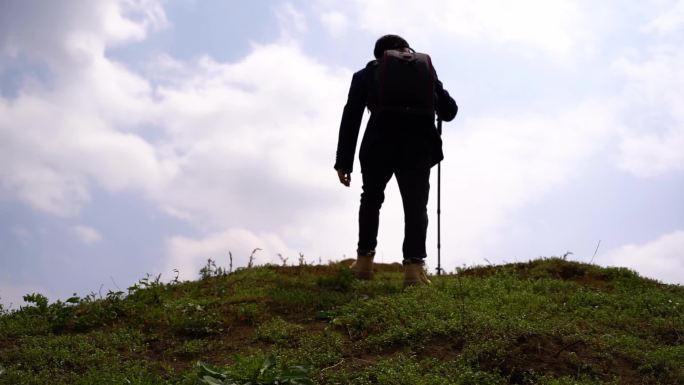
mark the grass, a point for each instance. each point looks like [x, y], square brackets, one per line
[547, 321]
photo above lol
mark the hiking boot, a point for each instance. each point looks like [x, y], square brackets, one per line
[363, 266]
[414, 274]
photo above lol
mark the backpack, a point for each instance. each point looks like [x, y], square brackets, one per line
[404, 83]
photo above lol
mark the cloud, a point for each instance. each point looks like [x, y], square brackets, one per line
[653, 109]
[496, 166]
[652, 155]
[557, 29]
[86, 235]
[291, 20]
[237, 144]
[336, 23]
[60, 136]
[53, 150]
[67, 25]
[253, 138]
[668, 22]
[659, 259]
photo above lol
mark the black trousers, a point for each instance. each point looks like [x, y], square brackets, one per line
[407, 157]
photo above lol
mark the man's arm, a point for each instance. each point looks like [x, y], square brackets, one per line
[446, 105]
[349, 127]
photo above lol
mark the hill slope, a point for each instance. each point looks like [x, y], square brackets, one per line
[547, 321]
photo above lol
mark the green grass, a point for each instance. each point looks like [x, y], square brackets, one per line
[547, 321]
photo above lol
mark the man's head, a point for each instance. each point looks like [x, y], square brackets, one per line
[388, 42]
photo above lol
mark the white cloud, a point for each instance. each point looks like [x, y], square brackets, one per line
[242, 144]
[188, 255]
[652, 154]
[668, 22]
[253, 138]
[291, 19]
[86, 235]
[660, 259]
[336, 23]
[554, 28]
[496, 166]
[58, 137]
[52, 150]
[100, 23]
[653, 109]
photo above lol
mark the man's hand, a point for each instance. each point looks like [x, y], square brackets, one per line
[345, 177]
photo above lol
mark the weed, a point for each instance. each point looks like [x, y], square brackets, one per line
[277, 331]
[195, 320]
[250, 263]
[211, 270]
[322, 349]
[255, 370]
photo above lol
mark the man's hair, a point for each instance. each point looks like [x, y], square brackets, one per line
[388, 42]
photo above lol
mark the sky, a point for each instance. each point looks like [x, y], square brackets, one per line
[143, 137]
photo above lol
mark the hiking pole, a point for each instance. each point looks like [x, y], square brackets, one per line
[439, 206]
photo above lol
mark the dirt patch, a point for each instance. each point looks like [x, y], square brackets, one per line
[557, 356]
[444, 348]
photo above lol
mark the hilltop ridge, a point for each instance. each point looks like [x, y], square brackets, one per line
[546, 321]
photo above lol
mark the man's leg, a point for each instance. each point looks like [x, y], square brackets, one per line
[374, 182]
[414, 186]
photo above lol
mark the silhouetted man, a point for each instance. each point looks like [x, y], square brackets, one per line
[398, 141]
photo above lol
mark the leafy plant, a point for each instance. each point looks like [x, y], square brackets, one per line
[253, 370]
[277, 330]
[212, 270]
[194, 320]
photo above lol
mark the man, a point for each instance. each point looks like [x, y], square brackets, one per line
[398, 143]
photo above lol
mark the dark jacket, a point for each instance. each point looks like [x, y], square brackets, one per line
[379, 126]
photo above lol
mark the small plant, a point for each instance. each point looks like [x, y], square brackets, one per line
[194, 320]
[248, 312]
[191, 348]
[40, 301]
[255, 371]
[277, 330]
[211, 270]
[146, 290]
[250, 264]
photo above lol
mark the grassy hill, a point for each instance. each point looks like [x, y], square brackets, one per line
[547, 321]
